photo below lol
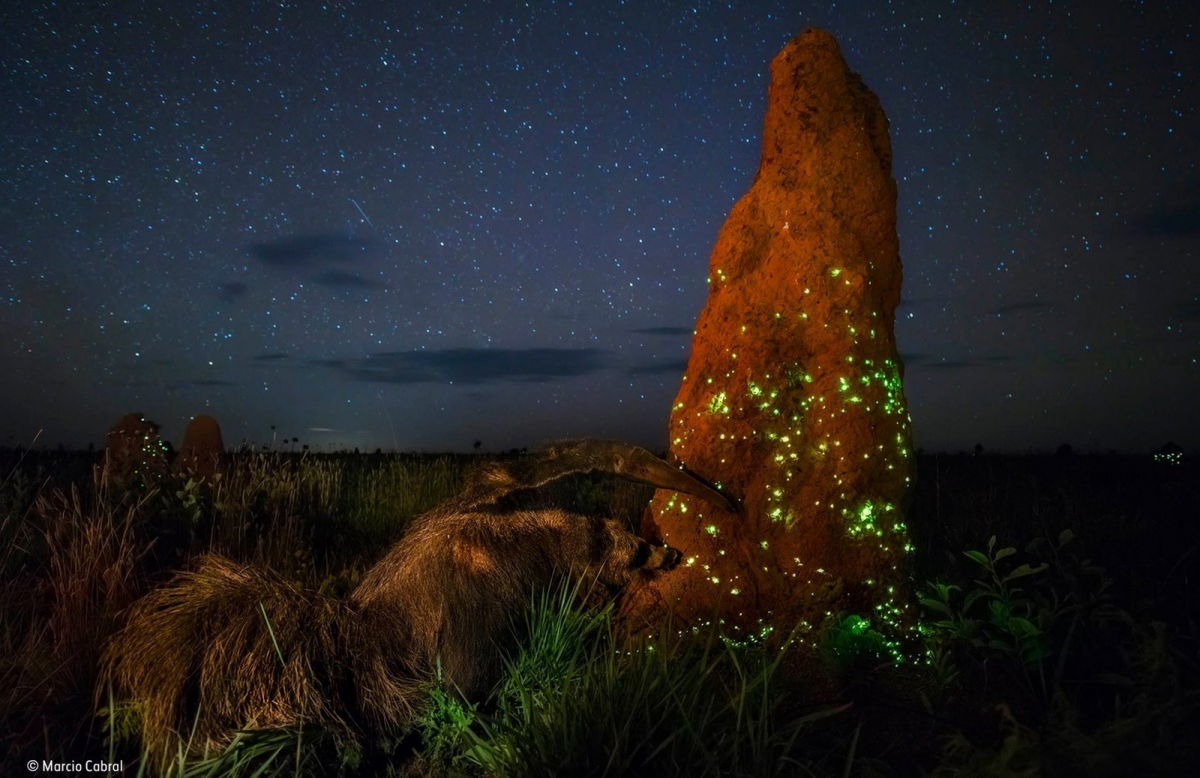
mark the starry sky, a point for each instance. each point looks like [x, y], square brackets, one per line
[419, 225]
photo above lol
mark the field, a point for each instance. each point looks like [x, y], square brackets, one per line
[1059, 631]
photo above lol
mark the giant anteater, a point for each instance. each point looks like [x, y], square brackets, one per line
[228, 646]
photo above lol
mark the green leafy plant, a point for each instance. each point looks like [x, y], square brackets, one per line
[192, 501]
[1037, 638]
[853, 646]
[445, 723]
[998, 613]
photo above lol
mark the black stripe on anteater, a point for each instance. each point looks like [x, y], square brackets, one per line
[640, 556]
[600, 543]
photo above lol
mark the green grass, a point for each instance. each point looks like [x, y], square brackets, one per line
[579, 700]
[1044, 653]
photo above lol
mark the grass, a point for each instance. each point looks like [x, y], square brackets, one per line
[1060, 634]
[579, 700]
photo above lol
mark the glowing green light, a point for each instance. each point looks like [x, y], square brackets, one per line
[864, 520]
[711, 529]
[835, 271]
[717, 403]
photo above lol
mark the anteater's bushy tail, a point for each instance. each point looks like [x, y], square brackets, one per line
[228, 646]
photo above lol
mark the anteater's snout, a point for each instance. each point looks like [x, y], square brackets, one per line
[671, 557]
[652, 557]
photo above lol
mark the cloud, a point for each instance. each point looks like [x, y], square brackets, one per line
[663, 331]
[1188, 310]
[305, 250]
[675, 366]
[471, 365]
[340, 279]
[1175, 215]
[232, 290]
[270, 356]
[1172, 221]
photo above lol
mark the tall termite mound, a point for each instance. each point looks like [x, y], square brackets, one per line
[203, 447]
[792, 399]
[134, 453]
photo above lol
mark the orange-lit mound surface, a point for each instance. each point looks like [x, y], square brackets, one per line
[792, 399]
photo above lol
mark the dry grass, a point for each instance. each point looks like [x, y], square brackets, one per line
[70, 606]
[228, 646]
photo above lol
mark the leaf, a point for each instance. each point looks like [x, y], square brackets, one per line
[1006, 551]
[935, 605]
[978, 557]
[1065, 537]
[991, 543]
[974, 595]
[1023, 627]
[1035, 650]
[1000, 612]
[944, 590]
[1024, 570]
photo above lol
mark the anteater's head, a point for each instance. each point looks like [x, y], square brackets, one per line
[622, 555]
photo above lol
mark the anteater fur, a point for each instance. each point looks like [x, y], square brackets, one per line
[228, 646]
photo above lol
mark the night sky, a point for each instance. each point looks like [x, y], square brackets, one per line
[415, 225]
